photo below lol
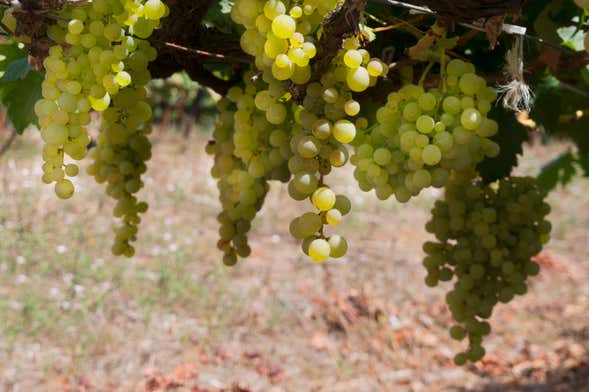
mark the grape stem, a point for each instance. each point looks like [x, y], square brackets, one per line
[425, 73]
[6, 29]
[443, 60]
[200, 52]
[387, 28]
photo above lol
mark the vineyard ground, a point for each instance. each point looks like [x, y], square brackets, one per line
[73, 317]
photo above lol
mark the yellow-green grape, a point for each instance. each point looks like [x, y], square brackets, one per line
[284, 26]
[71, 170]
[358, 79]
[123, 78]
[344, 131]
[353, 58]
[154, 9]
[323, 199]
[376, 68]
[333, 217]
[319, 250]
[296, 12]
[100, 104]
[102, 68]
[352, 108]
[64, 189]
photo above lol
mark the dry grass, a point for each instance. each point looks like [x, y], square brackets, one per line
[73, 316]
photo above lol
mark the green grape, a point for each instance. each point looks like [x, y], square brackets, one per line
[471, 119]
[342, 204]
[71, 170]
[431, 155]
[64, 189]
[425, 124]
[305, 183]
[338, 246]
[308, 147]
[310, 224]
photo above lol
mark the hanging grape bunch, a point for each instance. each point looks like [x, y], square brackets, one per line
[99, 62]
[486, 237]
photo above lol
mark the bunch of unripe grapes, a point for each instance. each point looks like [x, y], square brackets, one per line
[99, 62]
[422, 135]
[486, 236]
[585, 5]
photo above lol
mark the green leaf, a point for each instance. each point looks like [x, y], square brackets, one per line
[8, 54]
[20, 86]
[16, 70]
[584, 164]
[510, 138]
[19, 98]
[367, 32]
[559, 171]
[555, 108]
[219, 15]
[572, 37]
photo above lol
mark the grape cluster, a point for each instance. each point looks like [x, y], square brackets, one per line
[264, 134]
[486, 236]
[249, 150]
[421, 136]
[100, 63]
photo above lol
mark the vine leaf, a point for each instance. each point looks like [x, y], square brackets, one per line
[584, 164]
[17, 70]
[512, 134]
[19, 98]
[555, 108]
[20, 86]
[559, 171]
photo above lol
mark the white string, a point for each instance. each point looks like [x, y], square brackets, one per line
[517, 95]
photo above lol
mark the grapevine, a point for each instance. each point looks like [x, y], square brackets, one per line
[304, 100]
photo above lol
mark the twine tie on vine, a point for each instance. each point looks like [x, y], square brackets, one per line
[517, 95]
